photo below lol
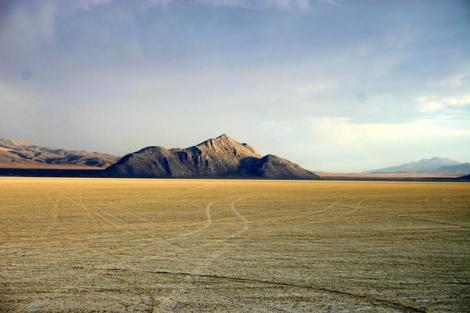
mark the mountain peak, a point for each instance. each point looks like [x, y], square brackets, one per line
[439, 159]
[223, 136]
[224, 145]
[222, 156]
[423, 165]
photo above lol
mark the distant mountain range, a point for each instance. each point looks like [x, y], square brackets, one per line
[217, 158]
[459, 169]
[433, 165]
[220, 157]
[15, 153]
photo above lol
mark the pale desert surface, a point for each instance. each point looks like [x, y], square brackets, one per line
[126, 245]
[389, 176]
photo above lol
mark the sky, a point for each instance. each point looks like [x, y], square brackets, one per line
[333, 85]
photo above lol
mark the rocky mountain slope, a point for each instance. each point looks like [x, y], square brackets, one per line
[218, 157]
[14, 154]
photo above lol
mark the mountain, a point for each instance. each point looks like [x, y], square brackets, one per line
[464, 178]
[15, 153]
[459, 169]
[218, 157]
[424, 165]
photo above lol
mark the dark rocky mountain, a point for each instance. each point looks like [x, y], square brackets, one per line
[19, 154]
[219, 157]
[421, 166]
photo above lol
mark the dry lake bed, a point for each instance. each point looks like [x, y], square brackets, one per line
[122, 245]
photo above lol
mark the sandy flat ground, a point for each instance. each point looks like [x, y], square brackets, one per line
[119, 245]
[385, 175]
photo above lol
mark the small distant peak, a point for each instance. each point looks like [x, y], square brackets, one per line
[224, 137]
[438, 159]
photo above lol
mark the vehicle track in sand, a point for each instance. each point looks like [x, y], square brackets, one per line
[54, 214]
[147, 291]
[364, 297]
[94, 216]
[317, 213]
[4, 236]
[427, 206]
[97, 271]
[380, 247]
[169, 304]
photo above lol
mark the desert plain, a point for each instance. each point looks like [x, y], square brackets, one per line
[136, 245]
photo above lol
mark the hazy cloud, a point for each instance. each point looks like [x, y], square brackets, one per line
[277, 4]
[432, 104]
[340, 144]
[455, 80]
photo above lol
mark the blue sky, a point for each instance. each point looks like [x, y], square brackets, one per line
[332, 85]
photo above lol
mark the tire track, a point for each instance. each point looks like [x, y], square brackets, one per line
[170, 303]
[364, 297]
[93, 212]
[142, 217]
[282, 212]
[55, 214]
[206, 225]
[41, 305]
[4, 238]
[317, 213]
[100, 271]
[94, 216]
[51, 225]
[438, 222]
[427, 206]
[5, 235]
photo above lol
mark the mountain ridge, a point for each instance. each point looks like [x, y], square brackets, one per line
[422, 166]
[217, 157]
[16, 153]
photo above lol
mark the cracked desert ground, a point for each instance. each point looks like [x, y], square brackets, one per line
[122, 245]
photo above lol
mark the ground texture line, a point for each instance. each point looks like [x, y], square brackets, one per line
[389, 303]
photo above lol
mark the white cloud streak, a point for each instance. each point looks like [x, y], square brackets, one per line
[456, 80]
[433, 104]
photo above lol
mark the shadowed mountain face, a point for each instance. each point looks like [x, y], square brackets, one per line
[14, 153]
[218, 157]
